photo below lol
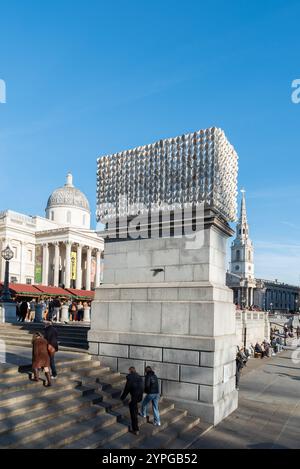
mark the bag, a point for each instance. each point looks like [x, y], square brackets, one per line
[51, 349]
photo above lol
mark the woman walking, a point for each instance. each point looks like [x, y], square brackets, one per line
[40, 357]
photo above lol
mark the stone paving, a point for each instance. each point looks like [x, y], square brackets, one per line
[268, 415]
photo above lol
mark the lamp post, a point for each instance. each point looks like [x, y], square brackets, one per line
[72, 273]
[7, 255]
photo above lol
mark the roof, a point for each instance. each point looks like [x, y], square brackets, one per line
[81, 293]
[22, 289]
[52, 291]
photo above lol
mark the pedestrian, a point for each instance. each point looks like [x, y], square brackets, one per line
[239, 365]
[134, 387]
[39, 310]
[298, 332]
[73, 311]
[18, 312]
[32, 306]
[50, 335]
[23, 310]
[80, 311]
[40, 357]
[56, 309]
[152, 395]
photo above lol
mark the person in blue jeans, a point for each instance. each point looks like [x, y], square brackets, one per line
[152, 395]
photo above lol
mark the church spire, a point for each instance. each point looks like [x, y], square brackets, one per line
[242, 226]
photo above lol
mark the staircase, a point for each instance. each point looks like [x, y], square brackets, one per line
[70, 337]
[82, 409]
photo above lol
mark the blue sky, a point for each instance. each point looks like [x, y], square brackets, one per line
[89, 78]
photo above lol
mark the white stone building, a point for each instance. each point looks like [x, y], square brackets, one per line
[59, 250]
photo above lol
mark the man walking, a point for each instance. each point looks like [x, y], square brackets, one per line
[134, 387]
[51, 337]
[152, 395]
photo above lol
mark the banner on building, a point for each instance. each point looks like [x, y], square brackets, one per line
[93, 270]
[73, 265]
[38, 267]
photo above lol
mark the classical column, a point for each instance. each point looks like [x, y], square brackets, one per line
[45, 264]
[88, 268]
[68, 245]
[56, 264]
[78, 267]
[98, 266]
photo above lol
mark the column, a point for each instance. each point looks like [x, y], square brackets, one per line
[56, 264]
[98, 266]
[45, 264]
[68, 245]
[247, 297]
[88, 268]
[78, 267]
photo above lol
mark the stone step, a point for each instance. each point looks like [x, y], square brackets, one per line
[35, 416]
[50, 427]
[37, 391]
[103, 427]
[38, 401]
[187, 438]
[99, 438]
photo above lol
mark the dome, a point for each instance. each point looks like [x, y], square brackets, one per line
[68, 196]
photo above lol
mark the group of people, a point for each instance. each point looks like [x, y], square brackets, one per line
[38, 310]
[136, 387]
[44, 347]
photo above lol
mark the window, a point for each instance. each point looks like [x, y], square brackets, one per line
[249, 256]
[28, 281]
[83, 220]
[68, 217]
[238, 255]
[52, 215]
[237, 267]
[249, 268]
[240, 231]
[29, 255]
[13, 279]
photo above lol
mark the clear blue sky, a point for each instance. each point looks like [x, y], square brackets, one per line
[85, 78]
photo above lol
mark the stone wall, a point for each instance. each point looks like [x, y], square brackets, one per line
[255, 324]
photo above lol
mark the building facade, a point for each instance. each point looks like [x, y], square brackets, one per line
[58, 250]
[249, 291]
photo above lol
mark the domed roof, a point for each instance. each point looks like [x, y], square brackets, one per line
[68, 196]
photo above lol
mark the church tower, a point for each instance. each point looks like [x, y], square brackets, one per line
[242, 247]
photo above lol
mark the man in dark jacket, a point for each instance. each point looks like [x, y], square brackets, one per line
[239, 365]
[51, 337]
[134, 387]
[152, 395]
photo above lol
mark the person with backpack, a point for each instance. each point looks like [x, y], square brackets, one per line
[152, 395]
[134, 387]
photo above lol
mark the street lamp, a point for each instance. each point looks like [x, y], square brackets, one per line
[7, 255]
[73, 267]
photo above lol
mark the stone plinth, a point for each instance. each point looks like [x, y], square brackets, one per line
[164, 303]
[8, 312]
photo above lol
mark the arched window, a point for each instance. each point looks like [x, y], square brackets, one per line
[52, 215]
[69, 217]
[237, 267]
[238, 255]
[249, 256]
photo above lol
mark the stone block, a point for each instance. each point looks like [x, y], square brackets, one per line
[119, 317]
[133, 294]
[172, 389]
[162, 294]
[94, 348]
[124, 364]
[113, 261]
[112, 362]
[146, 317]
[202, 319]
[113, 350]
[107, 294]
[197, 375]
[165, 370]
[186, 357]
[139, 259]
[165, 257]
[179, 273]
[99, 315]
[145, 353]
[175, 318]
[194, 256]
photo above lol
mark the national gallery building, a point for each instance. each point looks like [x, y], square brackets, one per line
[59, 250]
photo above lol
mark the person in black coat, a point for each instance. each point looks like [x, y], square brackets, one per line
[239, 365]
[152, 395]
[134, 387]
[50, 335]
